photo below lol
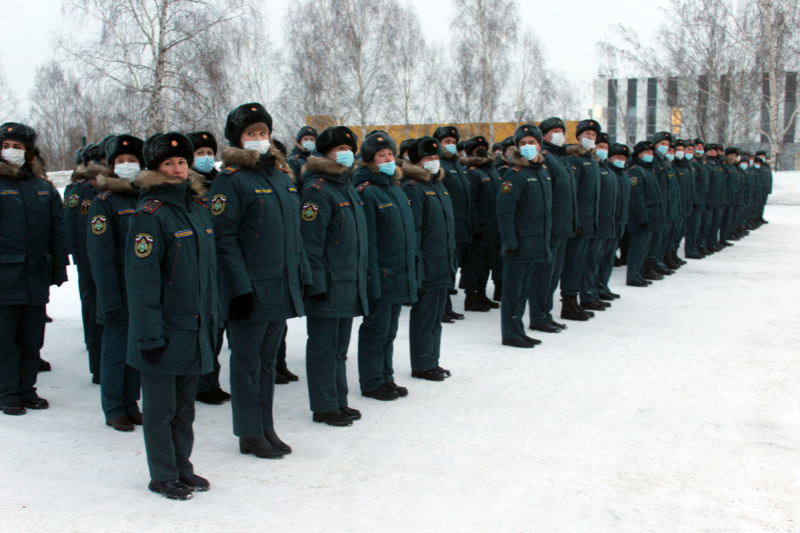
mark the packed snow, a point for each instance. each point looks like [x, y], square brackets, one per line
[675, 410]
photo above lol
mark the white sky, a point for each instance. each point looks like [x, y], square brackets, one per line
[568, 30]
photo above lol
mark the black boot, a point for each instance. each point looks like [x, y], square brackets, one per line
[273, 439]
[384, 393]
[649, 271]
[593, 305]
[195, 483]
[570, 309]
[173, 490]
[520, 342]
[483, 298]
[260, 447]
[333, 418]
[472, 302]
[498, 291]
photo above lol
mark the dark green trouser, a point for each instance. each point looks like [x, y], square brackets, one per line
[461, 254]
[254, 350]
[22, 331]
[479, 264]
[425, 330]
[638, 249]
[574, 263]
[559, 247]
[376, 344]
[693, 224]
[168, 411]
[517, 279]
[92, 331]
[658, 248]
[280, 365]
[588, 290]
[326, 357]
[539, 294]
[119, 382]
[210, 381]
[713, 238]
[608, 252]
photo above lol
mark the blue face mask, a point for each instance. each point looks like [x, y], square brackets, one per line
[204, 164]
[529, 151]
[388, 168]
[662, 149]
[687, 156]
[670, 157]
[345, 158]
[309, 145]
[602, 154]
[450, 148]
[743, 166]
[699, 152]
[619, 163]
[647, 158]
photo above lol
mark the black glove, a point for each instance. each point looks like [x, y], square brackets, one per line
[321, 297]
[477, 236]
[421, 293]
[643, 225]
[153, 355]
[242, 307]
[514, 252]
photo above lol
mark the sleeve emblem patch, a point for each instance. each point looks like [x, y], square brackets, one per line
[99, 225]
[309, 212]
[143, 245]
[218, 202]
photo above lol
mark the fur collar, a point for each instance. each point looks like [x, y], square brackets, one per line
[154, 179]
[447, 155]
[476, 161]
[110, 182]
[9, 170]
[323, 165]
[517, 159]
[398, 174]
[78, 173]
[233, 155]
[94, 170]
[576, 149]
[198, 182]
[414, 172]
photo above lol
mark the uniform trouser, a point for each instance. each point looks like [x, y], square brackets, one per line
[168, 412]
[637, 254]
[210, 381]
[92, 331]
[516, 289]
[588, 292]
[678, 232]
[425, 330]
[624, 244]
[693, 231]
[376, 344]
[119, 382]
[326, 356]
[574, 263]
[658, 248]
[22, 331]
[280, 364]
[559, 247]
[497, 266]
[705, 229]
[462, 254]
[254, 349]
[608, 252]
[727, 223]
[539, 294]
[480, 259]
[712, 239]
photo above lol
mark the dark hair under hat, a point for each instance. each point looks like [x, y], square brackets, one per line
[124, 144]
[662, 136]
[602, 138]
[203, 139]
[404, 145]
[551, 124]
[527, 130]
[162, 146]
[92, 152]
[335, 136]
[619, 149]
[243, 116]
[641, 146]
[587, 125]
[376, 142]
[306, 130]
[476, 142]
[424, 147]
[446, 131]
[14, 131]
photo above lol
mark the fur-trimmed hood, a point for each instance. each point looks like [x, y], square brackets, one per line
[414, 172]
[199, 183]
[517, 159]
[154, 179]
[233, 155]
[78, 173]
[93, 170]
[476, 161]
[323, 165]
[576, 149]
[109, 182]
[447, 155]
[373, 167]
[9, 170]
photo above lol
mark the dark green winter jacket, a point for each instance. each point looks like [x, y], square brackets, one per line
[668, 185]
[685, 175]
[587, 177]
[76, 217]
[646, 211]
[700, 173]
[716, 184]
[484, 184]
[297, 158]
[609, 200]
[458, 185]
[621, 212]
[566, 216]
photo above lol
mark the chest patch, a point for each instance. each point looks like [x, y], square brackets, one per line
[99, 225]
[430, 193]
[505, 188]
[184, 233]
[43, 193]
[634, 180]
[386, 206]
[123, 212]
[143, 245]
[85, 205]
[263, 191]
[309, 212]
[218, 202]
[9, 192]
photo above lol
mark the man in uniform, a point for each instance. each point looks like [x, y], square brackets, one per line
[305, 143]
[645, 213]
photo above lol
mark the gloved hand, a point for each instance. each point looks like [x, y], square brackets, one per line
[321, 297]
[242, 307]
[477, 236]
[514, 252]
[153, 355]
[644, 225]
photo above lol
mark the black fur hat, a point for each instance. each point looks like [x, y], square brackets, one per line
[699, 141]
[203, 139]
[587, 125]
[619, 149]
[662, 136]
[93, 152]
[760, 153]
[497, 146]
[641, 146]
[124, 144]
[243, 116]
[602, 138]
[460, 145]
[280, 146]
[679, 142]
[78, 157]
[374, 143]
[446, 131]
[404, 146]
[507, 143]
[161, 146]
[335, 136]
[476, 142]
[423, 147]
[13, 131]
[104, 144]
[551, 124]
[528, 130]
[731, 150]
[306, 130]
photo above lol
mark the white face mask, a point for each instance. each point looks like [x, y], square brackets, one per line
[431, 166]
[259, 146]
[14, 156]
[127, 171]
[587, 143]
[558, 139]
[678, 155]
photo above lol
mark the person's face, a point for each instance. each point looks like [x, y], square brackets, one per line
[203, 152]
[305, 138]
[588, 134]
[698, 146]
[671, 150]
[16, 145]
[616, 158]
[428, 158]
[333, 151]
[730, 158]
[383, 156]
[175, 167]
[530, 139]
[255, 135]
[125, 158]
[601, 146]
[689, 149]
[644, 153]
[510, 150]
[549, 135]
[711, 153]
[662, 143]
[449, 140]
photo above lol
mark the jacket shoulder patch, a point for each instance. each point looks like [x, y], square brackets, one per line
[103, 196]
[319, 184]
[227, 171]
[151, 206]
[363, 186]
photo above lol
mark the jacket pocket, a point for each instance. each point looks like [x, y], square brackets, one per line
[343, 291]
[269, 286]
[12, 268]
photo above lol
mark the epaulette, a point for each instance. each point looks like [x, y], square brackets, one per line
[473, 168]
[230, 170]
[545, 152]
[363, 186]
[285, 169]
[516, 168]
[151, 206]
[103, 196]
[412, 182]
[319, 184]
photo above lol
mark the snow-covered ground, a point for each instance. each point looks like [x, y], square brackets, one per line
[675, 410]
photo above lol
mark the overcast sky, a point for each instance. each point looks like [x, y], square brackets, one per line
[569, 31]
